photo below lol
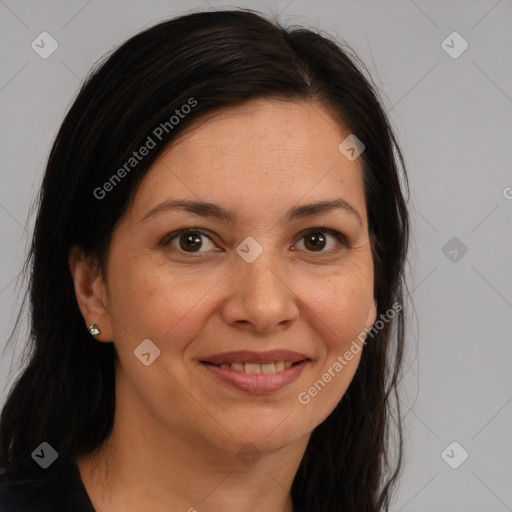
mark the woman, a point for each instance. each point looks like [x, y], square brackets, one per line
[217, 269]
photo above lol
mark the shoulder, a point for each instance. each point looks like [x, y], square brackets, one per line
[57, 489]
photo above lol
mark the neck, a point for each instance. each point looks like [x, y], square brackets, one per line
[144, 466]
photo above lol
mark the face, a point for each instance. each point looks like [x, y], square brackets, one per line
[210, 291]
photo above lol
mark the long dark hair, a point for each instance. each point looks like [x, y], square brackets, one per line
[65, 395]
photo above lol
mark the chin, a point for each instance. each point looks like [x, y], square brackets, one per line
[259, 438]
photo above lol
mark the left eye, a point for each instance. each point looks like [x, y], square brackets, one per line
[316, 239]
[190, 240]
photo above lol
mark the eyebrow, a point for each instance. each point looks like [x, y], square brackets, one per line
[206, 209]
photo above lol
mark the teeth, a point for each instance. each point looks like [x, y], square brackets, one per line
[268, 368]
[254, 368]
[279, 366]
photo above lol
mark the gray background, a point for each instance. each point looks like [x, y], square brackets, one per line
[453, 117]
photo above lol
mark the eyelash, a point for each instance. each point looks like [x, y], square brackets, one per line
[342, 239]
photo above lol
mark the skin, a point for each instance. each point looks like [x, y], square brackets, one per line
[177, 428]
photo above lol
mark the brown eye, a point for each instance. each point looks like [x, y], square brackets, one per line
[190, 241]
[316, 240]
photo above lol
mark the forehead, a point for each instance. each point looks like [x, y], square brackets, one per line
[263, 153]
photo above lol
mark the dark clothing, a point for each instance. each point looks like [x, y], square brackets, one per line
[56, 489]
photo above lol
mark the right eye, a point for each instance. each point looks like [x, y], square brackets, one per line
[188, 240]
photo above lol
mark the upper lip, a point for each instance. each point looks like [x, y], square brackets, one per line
[247, 356]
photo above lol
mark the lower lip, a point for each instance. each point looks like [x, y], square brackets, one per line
[260, 382]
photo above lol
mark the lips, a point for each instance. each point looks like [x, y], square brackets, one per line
[256, 372]
[256, 383]
[250, 357]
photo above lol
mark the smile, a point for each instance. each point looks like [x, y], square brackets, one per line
[255, 368]
[256, 372]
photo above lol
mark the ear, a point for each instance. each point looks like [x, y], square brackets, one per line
[372, 315]
[91, 292]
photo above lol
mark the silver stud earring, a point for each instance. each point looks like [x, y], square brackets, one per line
[94, 330]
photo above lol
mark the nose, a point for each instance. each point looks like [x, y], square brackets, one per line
[261, 297]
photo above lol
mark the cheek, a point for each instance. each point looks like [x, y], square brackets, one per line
[148, 302]
[341, 306]
[339, 312]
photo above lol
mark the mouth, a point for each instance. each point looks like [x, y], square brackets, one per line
[257, 369]
[256, 372]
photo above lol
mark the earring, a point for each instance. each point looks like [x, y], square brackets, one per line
[94, 330]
